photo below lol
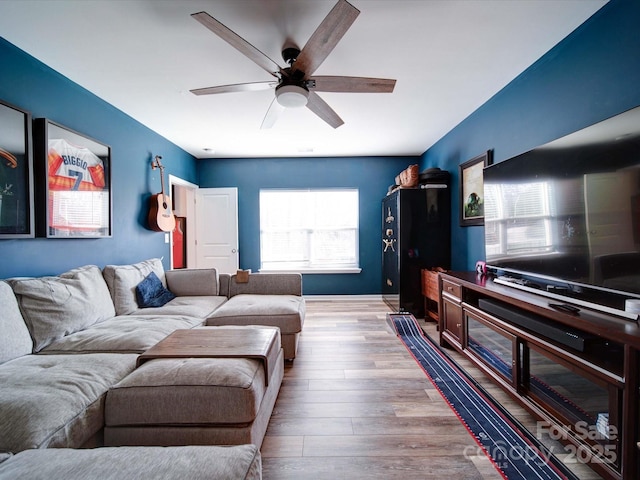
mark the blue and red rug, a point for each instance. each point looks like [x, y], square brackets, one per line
[515, 452]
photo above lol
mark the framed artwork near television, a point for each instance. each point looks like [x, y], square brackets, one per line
[472, 190]
[16, 173]
[73, 183]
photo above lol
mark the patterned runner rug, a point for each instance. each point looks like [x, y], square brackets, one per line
[514, 451]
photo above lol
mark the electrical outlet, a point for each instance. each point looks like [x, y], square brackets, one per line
[166, 238]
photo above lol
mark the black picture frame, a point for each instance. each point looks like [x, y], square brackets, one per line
[16, 173]
[73, 183]
[472, 189]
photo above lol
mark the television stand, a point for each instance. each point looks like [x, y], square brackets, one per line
[576, 371]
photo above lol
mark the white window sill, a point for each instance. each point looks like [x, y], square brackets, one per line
[331, 271]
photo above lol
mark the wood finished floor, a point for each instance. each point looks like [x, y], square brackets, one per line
[355, 405]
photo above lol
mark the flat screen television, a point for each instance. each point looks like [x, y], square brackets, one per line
[563, 219]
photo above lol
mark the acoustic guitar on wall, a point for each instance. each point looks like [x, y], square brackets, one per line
[161, 218]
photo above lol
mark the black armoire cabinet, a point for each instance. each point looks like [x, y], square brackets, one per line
[416, 234]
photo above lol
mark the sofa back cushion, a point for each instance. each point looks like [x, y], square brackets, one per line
[15, 340]
[223, 281]
[122, 281]
[53, 307]
[267, 284]
[193, 282]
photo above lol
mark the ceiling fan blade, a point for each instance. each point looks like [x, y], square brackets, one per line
[318, 106]
[351, 84]
[237, 42]
[325, 38]
[272, 115]
[238, 87]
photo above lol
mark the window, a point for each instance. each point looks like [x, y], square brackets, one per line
[519, 223]
[309, 230]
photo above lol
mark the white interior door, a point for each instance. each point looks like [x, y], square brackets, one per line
[217, 229]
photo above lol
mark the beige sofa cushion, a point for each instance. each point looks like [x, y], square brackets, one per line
[267, 284]
[15, 340]
[123, 279]
[122, 334]
[242, 462]
[284, 311]
[193, 282]
[199, 307]
[45, 399]
[53, 307]
[188, 391]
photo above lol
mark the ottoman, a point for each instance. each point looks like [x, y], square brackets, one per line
[196, 401]
[140, 463]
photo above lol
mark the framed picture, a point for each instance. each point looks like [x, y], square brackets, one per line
[73, 183]
[472, 190]
[16, 173]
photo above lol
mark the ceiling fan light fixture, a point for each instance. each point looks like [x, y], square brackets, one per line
[292, 96]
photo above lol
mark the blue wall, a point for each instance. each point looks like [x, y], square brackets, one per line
[32, 86]
[591, 75]
[370, 175]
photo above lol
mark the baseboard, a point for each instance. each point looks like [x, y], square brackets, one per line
[338, 298]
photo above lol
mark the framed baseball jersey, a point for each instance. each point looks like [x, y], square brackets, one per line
[74, 183]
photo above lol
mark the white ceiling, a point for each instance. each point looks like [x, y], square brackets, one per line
[143, 56]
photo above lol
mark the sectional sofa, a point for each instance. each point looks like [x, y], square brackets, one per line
[67, 341]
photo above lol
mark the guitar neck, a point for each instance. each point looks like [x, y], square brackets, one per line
[156, 164]
[162, 180]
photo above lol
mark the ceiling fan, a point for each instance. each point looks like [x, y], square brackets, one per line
[294, 84]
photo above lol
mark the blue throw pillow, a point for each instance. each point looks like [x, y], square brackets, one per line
[151, 293]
